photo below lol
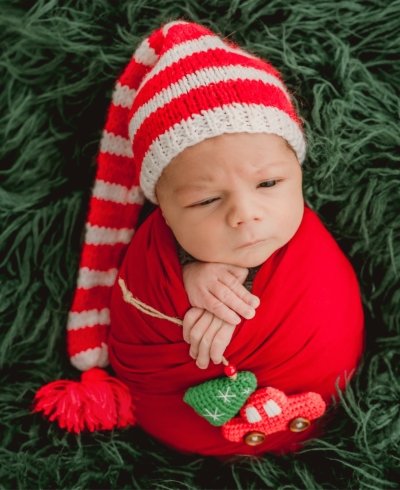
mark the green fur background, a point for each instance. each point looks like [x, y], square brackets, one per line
[58, 63]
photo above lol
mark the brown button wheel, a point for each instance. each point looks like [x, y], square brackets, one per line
[254, 438]
[299, 424]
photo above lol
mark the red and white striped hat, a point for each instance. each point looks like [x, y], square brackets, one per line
[184, 84]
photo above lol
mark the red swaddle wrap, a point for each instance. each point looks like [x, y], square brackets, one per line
[307, 334]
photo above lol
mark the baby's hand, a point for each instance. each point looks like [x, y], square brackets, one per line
[218, 288]
[207, 335]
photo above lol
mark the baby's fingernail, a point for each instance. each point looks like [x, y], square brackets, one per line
[255, 302]
[250, 314]
[201, 365]
[237, 320]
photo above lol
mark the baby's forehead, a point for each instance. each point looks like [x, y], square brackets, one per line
[239, 156]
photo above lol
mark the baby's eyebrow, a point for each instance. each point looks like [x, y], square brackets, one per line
[201, 182]
[189, 187]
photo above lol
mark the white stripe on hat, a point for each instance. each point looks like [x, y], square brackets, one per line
[101, 235]
[229, 118]
[182, 50]
[115, 145]
[197, 79]
[117, 193]
[96, 357]
[90, 278]
[88, 318]
[123, 95]
[168, 26]
[145, 54]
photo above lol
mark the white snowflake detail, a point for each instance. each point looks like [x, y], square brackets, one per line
[227, 395]
[246, 391]
[214, 416]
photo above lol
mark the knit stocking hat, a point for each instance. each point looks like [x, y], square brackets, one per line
[184, 84]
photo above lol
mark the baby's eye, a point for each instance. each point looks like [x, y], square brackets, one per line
[268, 183]
[205, 203]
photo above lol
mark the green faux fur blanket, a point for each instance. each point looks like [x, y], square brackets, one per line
[58, 63]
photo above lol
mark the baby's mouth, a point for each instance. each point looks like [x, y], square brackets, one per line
[251, 244]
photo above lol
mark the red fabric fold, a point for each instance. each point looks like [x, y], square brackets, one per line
[306, 335]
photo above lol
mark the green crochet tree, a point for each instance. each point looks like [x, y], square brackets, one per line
[218, 400]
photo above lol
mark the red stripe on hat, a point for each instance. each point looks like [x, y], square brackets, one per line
[102, 257]
[133, 73]
[86, 338]
[113, 215]
[95, 298]
[205, 98]
[155, 40]
[178, 34]
[116, 169]
[117, 121]
[212, 58]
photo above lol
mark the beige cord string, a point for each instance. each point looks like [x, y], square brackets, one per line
[129, 298]
[149, 310]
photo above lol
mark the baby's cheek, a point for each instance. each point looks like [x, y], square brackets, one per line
[293, 221]
[207, 246]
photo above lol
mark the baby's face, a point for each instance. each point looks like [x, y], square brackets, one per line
[234, 198]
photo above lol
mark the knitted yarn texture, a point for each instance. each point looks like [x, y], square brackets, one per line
[220, 399]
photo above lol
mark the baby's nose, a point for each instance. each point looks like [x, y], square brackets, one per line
[242, 212]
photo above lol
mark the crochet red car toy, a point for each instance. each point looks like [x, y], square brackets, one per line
[269, 410]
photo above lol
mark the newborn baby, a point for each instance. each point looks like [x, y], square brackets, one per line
[233, 199]
[231, 261]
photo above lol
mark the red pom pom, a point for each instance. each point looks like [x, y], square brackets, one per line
[97, 402]
[230, 371]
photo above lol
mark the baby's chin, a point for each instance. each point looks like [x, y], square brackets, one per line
[247, 257]
[242, 260]
[253, 258]
[248, 264]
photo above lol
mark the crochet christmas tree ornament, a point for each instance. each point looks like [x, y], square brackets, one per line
[218, 400]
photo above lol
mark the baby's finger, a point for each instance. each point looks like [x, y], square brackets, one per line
[230, 296]
[232, 283]
[222, 311]
[203, 355]
[220, 342]
[197, 332]
[190, 318]
[239, 272]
